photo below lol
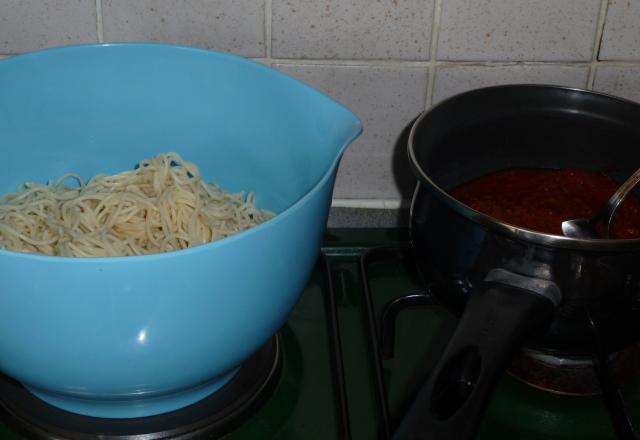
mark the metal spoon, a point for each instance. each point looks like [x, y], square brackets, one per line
[586, 227]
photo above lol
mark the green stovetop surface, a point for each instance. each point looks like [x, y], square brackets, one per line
[304, 404]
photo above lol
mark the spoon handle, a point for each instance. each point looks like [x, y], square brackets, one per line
[616, 200]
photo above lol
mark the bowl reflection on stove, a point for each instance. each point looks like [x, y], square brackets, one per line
[135, 336]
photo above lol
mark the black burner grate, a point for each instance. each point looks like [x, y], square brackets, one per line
[211, 417]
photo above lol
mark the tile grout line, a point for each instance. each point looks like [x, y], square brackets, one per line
[423, 64]
[268, 20]
[427, 64]
[435, 34]
[99, 21]
[370, 203]
[351, 62]
[602, 18]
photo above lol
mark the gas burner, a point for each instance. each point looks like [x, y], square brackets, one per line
[574, 376]
[212, 417]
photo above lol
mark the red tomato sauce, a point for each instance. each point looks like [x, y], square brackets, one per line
[541, 199]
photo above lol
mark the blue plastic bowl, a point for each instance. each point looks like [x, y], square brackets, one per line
[137, 336]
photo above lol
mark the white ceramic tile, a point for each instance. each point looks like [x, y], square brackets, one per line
[451, 80]
[27, 25]
[518, 30]
[367, 218]
[621, 36]
[390, 29]
[235, 26]
[374, 176]
[621, 81]
[386, 99]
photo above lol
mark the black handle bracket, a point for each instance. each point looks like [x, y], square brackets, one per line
[499, 316]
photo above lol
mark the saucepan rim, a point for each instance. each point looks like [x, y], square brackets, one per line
[491, 223]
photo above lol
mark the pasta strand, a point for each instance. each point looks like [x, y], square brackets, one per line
[163, 205]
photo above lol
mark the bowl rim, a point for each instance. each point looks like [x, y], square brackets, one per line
[279, 217]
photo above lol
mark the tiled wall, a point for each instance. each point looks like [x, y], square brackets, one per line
[386, 59]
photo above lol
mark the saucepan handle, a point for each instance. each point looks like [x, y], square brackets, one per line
[499, 316]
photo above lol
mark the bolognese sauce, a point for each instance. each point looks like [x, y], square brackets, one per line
[541, 199]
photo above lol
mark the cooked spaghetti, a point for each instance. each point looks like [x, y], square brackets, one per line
[163, 205]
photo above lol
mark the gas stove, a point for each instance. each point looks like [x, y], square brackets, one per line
[345, 366]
